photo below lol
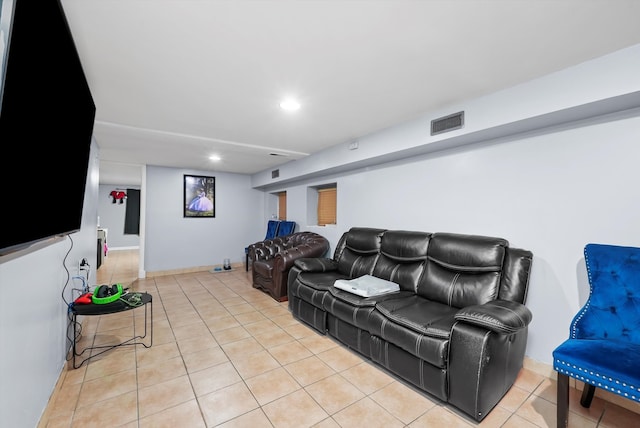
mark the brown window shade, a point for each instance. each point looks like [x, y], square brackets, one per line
[327, 206]
[282, 206]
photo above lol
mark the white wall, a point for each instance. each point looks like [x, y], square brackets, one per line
[173, 242]
[550, 193]
[550, 165]
[33, 316]
[597, 87]
[112, 217]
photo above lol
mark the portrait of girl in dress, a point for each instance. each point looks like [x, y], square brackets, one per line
[199, 196]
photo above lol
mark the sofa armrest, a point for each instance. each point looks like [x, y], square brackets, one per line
[261, 251]
[252, 247]
[483, 365]
[316, 264]
[486, 352]
[500, 316]
[257, 251]
[285, 259]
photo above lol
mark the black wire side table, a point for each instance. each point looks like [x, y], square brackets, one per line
[106, 309]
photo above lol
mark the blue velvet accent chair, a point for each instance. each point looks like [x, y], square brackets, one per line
[272, 232]
[286, 228]
[603, 349]
[272, 229]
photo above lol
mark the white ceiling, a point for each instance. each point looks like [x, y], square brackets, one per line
[175, 81]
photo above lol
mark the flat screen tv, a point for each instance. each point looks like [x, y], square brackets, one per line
[46, 125]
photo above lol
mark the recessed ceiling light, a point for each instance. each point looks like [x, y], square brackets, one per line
[289, 105]
[214, 158]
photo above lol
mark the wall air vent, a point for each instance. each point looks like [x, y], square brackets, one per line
[275, 173]
[447, 123]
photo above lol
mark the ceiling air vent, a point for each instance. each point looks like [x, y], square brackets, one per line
[275, 173]
[447, 123]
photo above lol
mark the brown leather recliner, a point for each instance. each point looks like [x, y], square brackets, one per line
[273, 258]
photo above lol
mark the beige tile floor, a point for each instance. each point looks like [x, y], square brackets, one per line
[227, 355]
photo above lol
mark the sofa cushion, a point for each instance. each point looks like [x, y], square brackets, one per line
[360, 251]
[405, 246]
[462, 270]
[355, 309]
[402, 257]
[417, 325]
[364, 240]
[418, 314]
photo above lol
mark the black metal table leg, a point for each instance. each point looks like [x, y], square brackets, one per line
[87, 310]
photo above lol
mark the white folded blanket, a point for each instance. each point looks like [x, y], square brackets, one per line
[366, 286]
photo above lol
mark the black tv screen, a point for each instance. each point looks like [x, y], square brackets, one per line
[46, 126]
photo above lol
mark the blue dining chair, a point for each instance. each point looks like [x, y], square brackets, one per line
[272, 232]
[286, 228]
[603, 348]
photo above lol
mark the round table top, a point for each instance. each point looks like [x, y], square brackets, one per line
[125, 302]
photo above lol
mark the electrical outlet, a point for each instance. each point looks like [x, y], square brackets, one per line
[83, 265]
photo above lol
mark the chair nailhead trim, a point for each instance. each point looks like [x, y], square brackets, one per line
[585, 308]
[560, 367]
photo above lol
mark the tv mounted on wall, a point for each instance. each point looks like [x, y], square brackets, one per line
[46, 125]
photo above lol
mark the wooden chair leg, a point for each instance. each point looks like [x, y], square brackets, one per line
[587, 395]
[562, 415]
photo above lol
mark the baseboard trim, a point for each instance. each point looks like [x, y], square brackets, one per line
[234, 266]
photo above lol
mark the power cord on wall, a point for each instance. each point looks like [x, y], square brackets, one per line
[64, 265]
[69, 305]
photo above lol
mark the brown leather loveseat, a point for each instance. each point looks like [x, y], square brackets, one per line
[273, 258]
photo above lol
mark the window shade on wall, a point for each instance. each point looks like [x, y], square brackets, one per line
[282, 206]
[327, 206]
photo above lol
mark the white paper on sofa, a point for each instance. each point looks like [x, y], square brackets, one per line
[366, 286]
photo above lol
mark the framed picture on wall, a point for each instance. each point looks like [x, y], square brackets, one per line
[199, 196]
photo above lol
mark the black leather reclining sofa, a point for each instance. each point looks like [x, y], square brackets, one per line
[457, 328]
